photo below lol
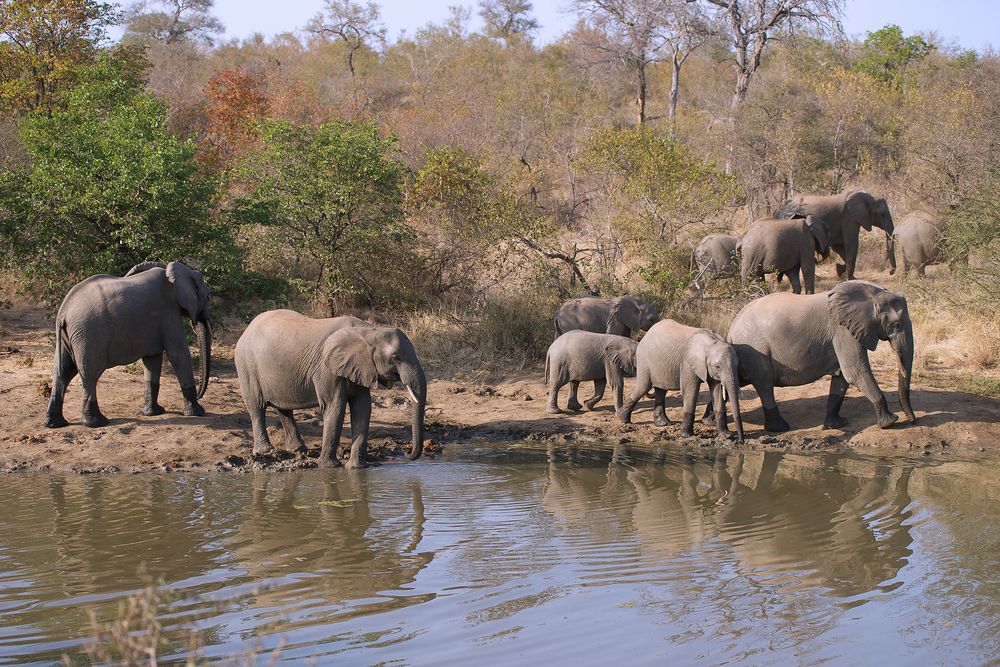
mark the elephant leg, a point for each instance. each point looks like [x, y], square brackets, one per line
[809, 278]
[689, 390]
[554, 386]
[855, 368]
[850, 257]
[906, 265]
[65, 371]
[361, 413]
[922, 270]
[91, 410]
[838, 390]
[709, 416]
[599, 387]
[574, 403]
[642, 385]
[659, 407]
[793, 279]
[152, 366]
[773, 421]
[261, 442]
[333, 424]
[180, 360]
[293, 439]
[721, 417]
[617, 382]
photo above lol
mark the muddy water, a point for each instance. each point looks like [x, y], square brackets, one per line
[507, 555]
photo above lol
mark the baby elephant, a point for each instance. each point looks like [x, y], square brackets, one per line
[786, 247]
[577, 356]
[675, 356]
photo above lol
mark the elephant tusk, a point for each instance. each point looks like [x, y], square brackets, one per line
[413, 397]
[725, 394]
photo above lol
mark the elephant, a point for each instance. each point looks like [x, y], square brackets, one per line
[621, 316]
[845, 214]
[787, 340]
[785, 247]
[920, 242]
[675, 356]
[108, 321]
[577, 356]
[293, 362]
[715, 257]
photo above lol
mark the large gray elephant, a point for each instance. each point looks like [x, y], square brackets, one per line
[921, 242]
[577, 356]
[715, 257]
[845, 214]
[675, 356]
[785, 247]
[293, 362]
[621, 316]
[787, 340]
[108, 321]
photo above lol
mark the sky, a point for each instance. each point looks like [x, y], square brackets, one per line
[972, 24]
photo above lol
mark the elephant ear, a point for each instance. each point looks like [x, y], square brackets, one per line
[853, 305]
[626, 311]
[820, 232]
[144, 266]
[186, 287]
[862, 204]
[350, 356]
[622, 354]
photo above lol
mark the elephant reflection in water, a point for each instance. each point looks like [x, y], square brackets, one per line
[352, 554]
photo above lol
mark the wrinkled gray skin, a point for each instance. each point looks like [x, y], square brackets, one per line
[787, 340]
[845, 214]
[675, 356]
[621, 316]
[920, 242]
[785, 247]
[577, 356]
[715, 257]
[108, 321]
[293, 362]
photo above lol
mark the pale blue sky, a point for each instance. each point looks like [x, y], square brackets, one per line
[971, 23]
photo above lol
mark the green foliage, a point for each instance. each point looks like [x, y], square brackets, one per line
[886, 54]
[330, 201]
[109, 187]
[973, 231]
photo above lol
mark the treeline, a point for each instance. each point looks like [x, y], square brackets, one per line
[448, 168]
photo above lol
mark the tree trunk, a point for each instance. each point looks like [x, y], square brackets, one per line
[675, 84]
[641, 95]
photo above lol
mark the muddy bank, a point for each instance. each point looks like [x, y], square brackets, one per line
[512, 408]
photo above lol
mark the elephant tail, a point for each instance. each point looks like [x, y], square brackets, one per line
[547, 365]
[60, 329]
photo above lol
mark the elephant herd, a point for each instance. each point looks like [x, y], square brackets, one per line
[292, 362]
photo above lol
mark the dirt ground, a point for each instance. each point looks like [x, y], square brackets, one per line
[458, 412]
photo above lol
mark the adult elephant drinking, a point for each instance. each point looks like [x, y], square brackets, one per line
[621, 316]
[293, 362]
[108, 321]
[787, 340]
[845, 214]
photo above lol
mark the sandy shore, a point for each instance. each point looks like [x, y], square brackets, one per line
[512, 408]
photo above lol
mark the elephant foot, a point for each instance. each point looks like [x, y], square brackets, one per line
[355, 465]
[95, 420]
[300, 449]
[589, 405]
[661, 419]
[194, 410]
[553, 410]
[328, 462]
[152, 410]
[774, 422]
[262, 449]
[687, 425]
[625, 416]
[709, 416]
[55, 421]
[834, 422]
[888, 419]
[574, 406]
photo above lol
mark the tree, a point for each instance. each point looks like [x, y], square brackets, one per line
[688, 28]
[110, 187]
[507, 19]
[172, 21]
[42, 42]
[329, 200]
[354, 24]
[886, 54]
[237, 103]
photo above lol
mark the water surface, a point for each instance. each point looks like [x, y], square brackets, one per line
[503, 554]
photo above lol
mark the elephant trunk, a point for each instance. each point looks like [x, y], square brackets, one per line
[890, 252]
[902, 345]
[203, 330]
[416, 387]
[732, 385]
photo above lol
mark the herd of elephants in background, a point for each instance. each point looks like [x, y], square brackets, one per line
[292, 362]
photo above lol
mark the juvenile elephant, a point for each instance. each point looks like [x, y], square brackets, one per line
[787, 340]
[920, 241]
[621, 316]
[108, 321]
[293, 362]
[577, 356]
[674, 356]
[715, 257]
[845, 214]
[786, 247]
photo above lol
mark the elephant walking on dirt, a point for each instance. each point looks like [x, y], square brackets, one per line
[921, 242]
[786, 247]
[845, 214]
[577, 356]
[293, 362]
[787, 340]
[108, 321]
[675, 356]
[621, 316]
[715, 257]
